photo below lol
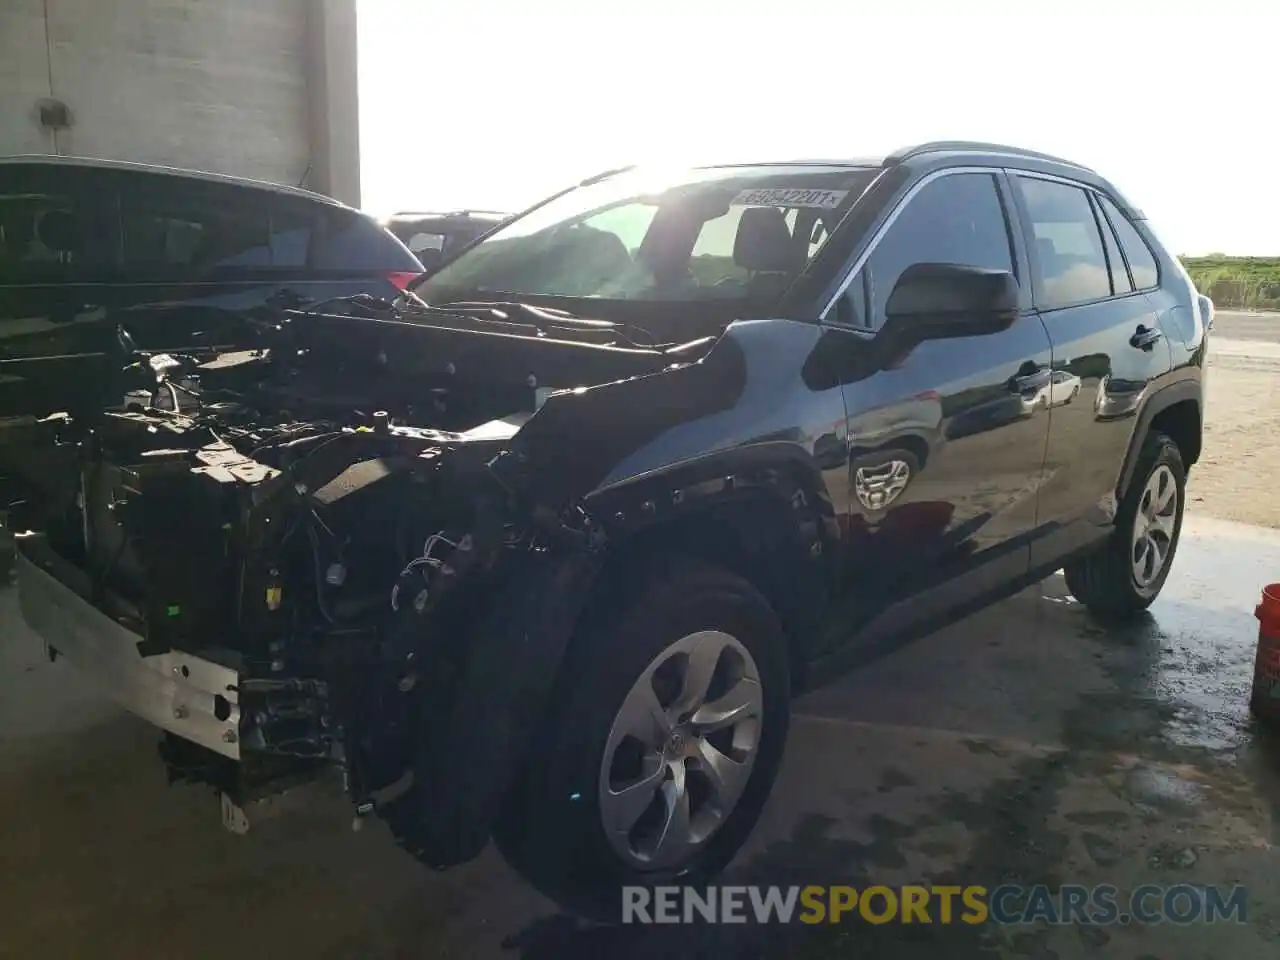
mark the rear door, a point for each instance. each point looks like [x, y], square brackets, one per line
[1107, 347]
[946, 445]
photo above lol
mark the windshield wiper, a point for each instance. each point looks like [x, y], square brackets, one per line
[501, 308]
[368, 304]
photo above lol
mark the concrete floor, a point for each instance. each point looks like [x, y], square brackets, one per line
[1255, 325]
[1024, 744]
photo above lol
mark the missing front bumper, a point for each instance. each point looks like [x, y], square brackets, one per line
[191, 697]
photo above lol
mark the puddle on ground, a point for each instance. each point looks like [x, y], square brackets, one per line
[1155, 786]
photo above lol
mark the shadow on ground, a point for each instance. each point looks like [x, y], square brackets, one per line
[1026, 744]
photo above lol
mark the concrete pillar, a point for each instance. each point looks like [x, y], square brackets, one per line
[332, 89]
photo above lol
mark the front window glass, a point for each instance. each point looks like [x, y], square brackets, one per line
[957, 218]
[727, 233]
[53, 222]
[32, 228]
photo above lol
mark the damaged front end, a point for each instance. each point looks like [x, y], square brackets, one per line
[285, 590]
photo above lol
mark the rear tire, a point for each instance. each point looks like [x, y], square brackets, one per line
[697, 620]
[1125, 575]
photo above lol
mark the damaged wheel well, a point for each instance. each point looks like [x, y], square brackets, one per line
[755, 536]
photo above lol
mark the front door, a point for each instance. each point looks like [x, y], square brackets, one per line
[946, 444]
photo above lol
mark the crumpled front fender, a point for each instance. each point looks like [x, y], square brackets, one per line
[474, 744]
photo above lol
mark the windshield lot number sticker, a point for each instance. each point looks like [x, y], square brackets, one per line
[791, 197]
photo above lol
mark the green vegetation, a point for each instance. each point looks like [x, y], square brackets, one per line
[1251, 282]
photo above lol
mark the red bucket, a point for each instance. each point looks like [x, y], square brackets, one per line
[1265, 700]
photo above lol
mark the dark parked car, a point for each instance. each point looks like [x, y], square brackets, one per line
[544, 551]
[177, 257]
[436, 237]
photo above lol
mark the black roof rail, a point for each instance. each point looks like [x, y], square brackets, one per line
[449, 213]
[975, 146]
[605, 175]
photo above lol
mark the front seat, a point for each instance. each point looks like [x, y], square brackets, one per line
[765, 248]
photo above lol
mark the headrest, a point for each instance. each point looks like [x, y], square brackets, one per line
[764, 243]
[56, 230]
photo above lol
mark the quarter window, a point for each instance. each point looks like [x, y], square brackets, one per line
[1142, 262]
[1068, 246]
[957, 218]
[353, 241]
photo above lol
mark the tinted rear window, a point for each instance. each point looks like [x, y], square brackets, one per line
[186, 224]
[353, 241]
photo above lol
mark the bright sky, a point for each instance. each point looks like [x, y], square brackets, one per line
[496, 103]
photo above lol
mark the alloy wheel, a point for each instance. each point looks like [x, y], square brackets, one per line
[681, 750]
[1153, 526]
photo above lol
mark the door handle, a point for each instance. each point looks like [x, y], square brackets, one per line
[1144, 338]
[1031, 382]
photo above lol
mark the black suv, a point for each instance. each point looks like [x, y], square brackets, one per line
[177, 257]
[543, 551]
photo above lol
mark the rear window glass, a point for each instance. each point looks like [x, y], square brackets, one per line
[172, 222]
[292, 226]
[1068, 244]
[353, 241]
[185, 224]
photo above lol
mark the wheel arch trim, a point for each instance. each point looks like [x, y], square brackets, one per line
[1158, 402]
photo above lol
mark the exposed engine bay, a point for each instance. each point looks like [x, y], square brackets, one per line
[328, 513]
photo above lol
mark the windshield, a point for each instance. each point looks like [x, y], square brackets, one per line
[724, 234]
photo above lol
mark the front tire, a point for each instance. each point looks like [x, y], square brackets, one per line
[662, 744]
[1125, 575]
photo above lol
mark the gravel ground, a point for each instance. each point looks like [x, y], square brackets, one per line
[1236, 478]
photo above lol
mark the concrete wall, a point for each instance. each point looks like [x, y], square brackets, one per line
[24, 75]
[256, 88]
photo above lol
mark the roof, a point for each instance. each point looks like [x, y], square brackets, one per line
[970, 147]
[976, 147]
[451, 214]
[100, 163]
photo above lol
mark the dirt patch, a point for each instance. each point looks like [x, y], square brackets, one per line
[1236, 476]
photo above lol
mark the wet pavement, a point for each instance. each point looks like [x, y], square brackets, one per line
[1025, 744]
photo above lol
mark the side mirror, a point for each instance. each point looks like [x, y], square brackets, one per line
[939, 300]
